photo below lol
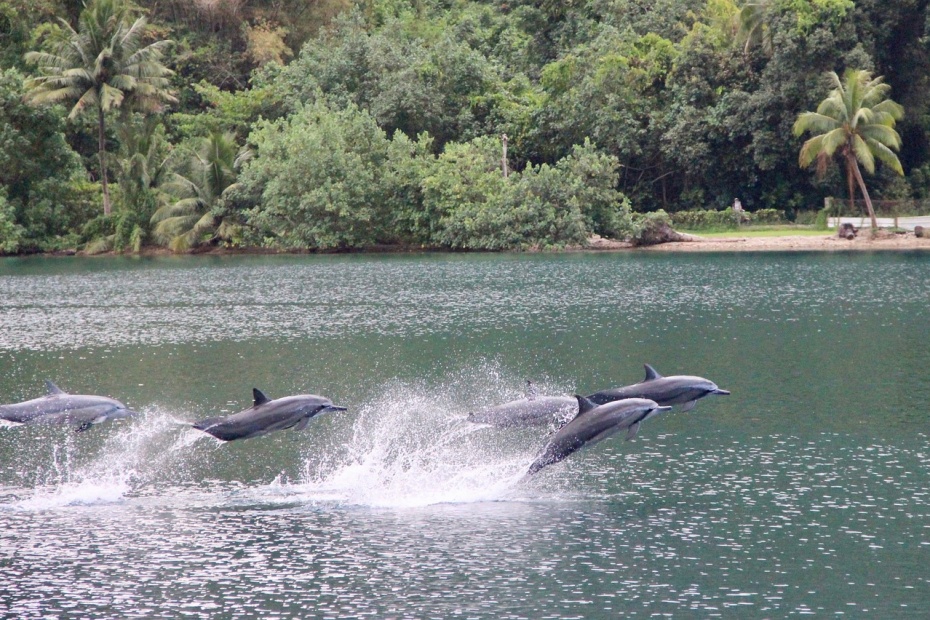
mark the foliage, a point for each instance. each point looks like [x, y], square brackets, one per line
[361, 112]
[472, 205]
[11, 233]
[724, 220]
[197, 186]
[40, 176]
[856, 121]
[99, 66]
[649, 228]
[316, 176]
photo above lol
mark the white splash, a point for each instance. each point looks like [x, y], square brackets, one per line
[410, 450]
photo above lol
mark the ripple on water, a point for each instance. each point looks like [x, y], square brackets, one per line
[324, 297]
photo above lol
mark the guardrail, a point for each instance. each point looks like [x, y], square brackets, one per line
[905, 223]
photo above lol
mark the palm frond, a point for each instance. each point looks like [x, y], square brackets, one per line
[885, 155]
[882, 134]
[814, 122]
[832, 140]
[863, 153]
[811, 149]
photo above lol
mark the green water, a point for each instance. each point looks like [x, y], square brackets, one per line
[804, 492]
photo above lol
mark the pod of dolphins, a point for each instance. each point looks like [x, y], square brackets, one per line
[583, 420]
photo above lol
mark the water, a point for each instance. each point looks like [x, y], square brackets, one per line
[805, 492]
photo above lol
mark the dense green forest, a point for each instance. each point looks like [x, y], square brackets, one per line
[331, 124]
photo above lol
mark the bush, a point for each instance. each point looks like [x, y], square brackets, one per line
[11, 233]
[651, 228]
[727, 219]
[316, 177]
[822, 220]
[541, 207]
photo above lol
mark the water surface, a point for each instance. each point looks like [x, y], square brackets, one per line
[805, 492]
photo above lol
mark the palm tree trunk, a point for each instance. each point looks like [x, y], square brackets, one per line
[102, 151]
[850, 175]
[865, 194]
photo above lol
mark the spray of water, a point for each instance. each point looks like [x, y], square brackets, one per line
[413, 446]
[409, 446]
[131, 457]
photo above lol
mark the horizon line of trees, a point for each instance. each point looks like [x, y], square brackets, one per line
[333, 126]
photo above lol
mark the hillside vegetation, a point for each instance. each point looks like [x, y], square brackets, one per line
[335, 125]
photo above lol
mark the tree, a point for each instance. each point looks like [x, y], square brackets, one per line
[753, 26]
[857, 121]
[199, 185]
[100, 66]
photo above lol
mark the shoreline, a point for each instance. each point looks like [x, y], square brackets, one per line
[884, 241]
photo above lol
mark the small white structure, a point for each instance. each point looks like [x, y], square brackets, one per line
[906, 223]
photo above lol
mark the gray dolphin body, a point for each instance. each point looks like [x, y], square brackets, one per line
[595, 423]
[59, 407]
[532, 410]
[527, 412]
[266, 416]
[683, 390]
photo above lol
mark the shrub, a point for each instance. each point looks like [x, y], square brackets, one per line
[316, 177]
[11, 233]
[473, 206]
[725, 220]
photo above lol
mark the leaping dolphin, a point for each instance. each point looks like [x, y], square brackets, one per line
[532, 410]
[59, 407]
[684, 390]
[266, 416]
[595, 423]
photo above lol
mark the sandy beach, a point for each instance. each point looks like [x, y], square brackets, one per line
[824, 243]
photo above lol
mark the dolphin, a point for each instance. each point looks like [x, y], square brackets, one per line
[595, 423]
[266, 416]
[531, 410]
[681, 390]
[59, 407]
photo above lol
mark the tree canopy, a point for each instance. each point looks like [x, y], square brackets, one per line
[380, 122]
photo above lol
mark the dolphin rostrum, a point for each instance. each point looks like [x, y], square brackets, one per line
[681, 390]
[595, 423]
[532, 410]
[59, 407]
[266, 416]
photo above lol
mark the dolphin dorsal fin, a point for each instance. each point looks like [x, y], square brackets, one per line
[584, 405]
[531, 391]
[651, 373]
[260, 398]
[53, 389]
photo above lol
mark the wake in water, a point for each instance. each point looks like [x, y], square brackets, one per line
[414, 447]
[410, 446]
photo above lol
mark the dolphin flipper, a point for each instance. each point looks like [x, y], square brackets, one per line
[83, 427]
[688, 406]
[631, 432]
[302, 424]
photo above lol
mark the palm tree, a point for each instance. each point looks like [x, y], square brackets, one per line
[100, 66]
[753, 28]
[857, 121]
[198, 187]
